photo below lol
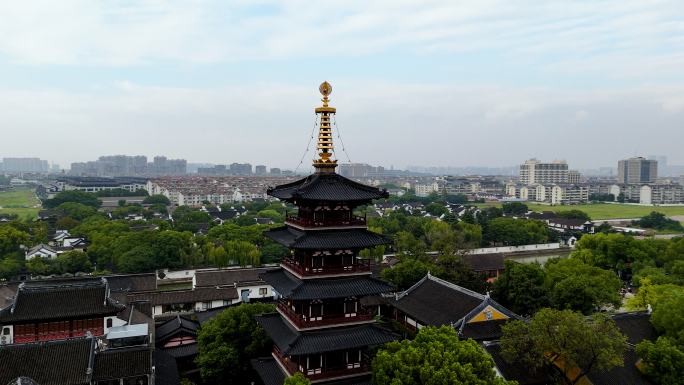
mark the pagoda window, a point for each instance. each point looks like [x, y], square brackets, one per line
[350, 308]
[353, 359]
[317, 262]
[347, 260]
[314, 363]
[316, 312]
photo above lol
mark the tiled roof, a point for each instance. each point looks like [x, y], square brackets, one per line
[290, 342]
[119, 363]
[175, 325]
[349, 239]
[331, 187]
[185, 350]
[166, 369]
[636, 325]
[50, 363]
[436, 304]
[620, 375]
[290, 287]
[228, 277]
[133, 283]
[76, 299]
[184, 296]
[483, 262]
[519, 372]
[269, 371]
[483, 330]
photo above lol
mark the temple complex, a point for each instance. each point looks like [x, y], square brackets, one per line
[321, 330]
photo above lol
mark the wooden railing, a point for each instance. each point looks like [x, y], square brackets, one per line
[303, 322]
[324, 373]
[309, 271]
[337, 222]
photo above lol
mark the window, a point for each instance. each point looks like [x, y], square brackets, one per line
[109, 322]
[263, 291]
[206, 305]
[5, 331]
[227, 302]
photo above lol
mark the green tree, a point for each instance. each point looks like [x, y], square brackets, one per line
[297, 379]
[78, 211]
[567, 339]
[9, 268]
[122, 202]
[435, 357]
[621, 197]
[75, 196]
[574, 285]
[658, 221]
[73, 262]
[468, 217]
[227, 343]
[10, 241]
[573, 214]
[515, 208]
[522, 288]
[436, 209]
[668, 314]
[406, 273]
[663, 361]
[158, 198]
[272, 214]
[67, 223]
[138, 260]
[39, 266]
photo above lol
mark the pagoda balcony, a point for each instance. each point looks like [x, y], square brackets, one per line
[302, 322]
[303, 223]
[304, 272]
[321, 374]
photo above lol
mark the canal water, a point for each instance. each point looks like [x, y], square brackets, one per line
[539, 258]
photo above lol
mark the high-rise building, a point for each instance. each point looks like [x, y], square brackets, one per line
[241, 169]
[260, 170]
[275, 171]
[534, 171]
[25, 165]
[637, 170]
[573, 177]
[320, 285]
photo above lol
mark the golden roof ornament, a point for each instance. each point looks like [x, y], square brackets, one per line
[325, 145]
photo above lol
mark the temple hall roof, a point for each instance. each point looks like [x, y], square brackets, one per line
[636, 325]
[320, 240]
[327, 187]
[436, 302]
[60, 300]
[229, 277]
[291, 342]
[291, 287]
[51, 363]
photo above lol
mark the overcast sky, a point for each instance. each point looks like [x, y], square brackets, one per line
[433, 83]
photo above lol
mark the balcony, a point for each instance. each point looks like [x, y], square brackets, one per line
[354, 221]
[320, 374]
[303, 322]
[360, 267]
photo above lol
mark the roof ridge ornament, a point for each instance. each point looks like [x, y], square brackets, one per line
[325, 143]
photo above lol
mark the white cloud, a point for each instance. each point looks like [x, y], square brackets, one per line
[572, 36]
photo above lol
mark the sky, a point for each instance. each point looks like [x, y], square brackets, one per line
[432, 83]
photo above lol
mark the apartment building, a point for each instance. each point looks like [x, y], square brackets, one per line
[534, 171]
[637, 170]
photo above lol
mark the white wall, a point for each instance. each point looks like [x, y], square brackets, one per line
[8, 338]
[115, 322]
[509, 249]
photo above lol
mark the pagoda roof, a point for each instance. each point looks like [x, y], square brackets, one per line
[269, 370]
[291, 287]
[321, 240]
[290, 342]
[327, 187]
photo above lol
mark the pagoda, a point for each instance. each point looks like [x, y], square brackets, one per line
[320, 328]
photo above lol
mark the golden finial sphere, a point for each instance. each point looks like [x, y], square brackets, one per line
[325, 89]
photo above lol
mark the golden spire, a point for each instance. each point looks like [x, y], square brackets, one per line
[325, 143]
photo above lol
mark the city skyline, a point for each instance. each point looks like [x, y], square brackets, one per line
[471, 83]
